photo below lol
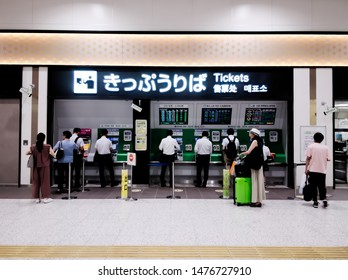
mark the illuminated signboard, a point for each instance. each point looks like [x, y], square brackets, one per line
[85, 82]
[173, 116]
[260, 116]
[163, 83]
[216, 116]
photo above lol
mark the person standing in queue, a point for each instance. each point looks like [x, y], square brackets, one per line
[230, 148]
[254, 160]
[103, 147]
[203, 150]
[41, 170]
[316, 165]
[63, 163]
[168, 146]
[78, 158]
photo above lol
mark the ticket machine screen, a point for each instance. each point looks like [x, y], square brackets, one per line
[179, 140]
[114, 141]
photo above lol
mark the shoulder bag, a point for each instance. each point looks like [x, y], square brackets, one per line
[254, 160]
[30, 163]
[307, 194]
[60, 151]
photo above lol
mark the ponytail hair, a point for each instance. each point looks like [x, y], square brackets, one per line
[40, 138]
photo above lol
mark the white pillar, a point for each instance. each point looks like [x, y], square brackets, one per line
[26, 116]
[301, 113]
[325, 96]
[26, 126]
[42, 100]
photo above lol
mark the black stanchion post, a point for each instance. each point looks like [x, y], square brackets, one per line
[83, 177]
[173, 187]
[69, 188]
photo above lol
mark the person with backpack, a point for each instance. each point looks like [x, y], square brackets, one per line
[230, 148]
[78, 158]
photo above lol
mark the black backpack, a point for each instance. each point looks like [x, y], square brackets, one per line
[231, 149]
[76, 153]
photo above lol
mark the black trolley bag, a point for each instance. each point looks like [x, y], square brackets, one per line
[242, 185]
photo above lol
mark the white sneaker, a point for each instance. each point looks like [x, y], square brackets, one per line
[37, 200]
[47, 200]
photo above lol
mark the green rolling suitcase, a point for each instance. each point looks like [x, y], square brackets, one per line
[242, 193]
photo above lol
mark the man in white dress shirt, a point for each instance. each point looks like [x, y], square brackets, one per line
[203, 150]
[104, 148]
[168, 146]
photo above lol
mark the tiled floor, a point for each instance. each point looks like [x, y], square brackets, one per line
[146, 192]
[199, 227]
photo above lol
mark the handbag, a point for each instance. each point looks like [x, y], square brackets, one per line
[60, 151]
[307, 193]
[30, 163]
[254, 160]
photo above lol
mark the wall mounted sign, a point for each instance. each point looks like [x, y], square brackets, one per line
[171, 82]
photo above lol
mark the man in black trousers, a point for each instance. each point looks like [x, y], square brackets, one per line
[168, 146]
[103, 147]
[203, 150]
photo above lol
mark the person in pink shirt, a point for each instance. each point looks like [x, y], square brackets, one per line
[316, 165]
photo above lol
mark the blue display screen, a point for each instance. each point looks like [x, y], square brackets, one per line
[216, 116]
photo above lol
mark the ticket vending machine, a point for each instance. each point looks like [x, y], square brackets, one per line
[113, 136]
[178, 135]
[86, 135]
[215, 138]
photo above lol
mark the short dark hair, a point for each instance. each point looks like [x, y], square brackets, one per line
[76, 130]
[104, 132]
[169, 132]
[67, 134]
[230, 131]
[318, 137]
[205, 133]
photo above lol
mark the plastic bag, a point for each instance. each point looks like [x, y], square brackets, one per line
[30, 163]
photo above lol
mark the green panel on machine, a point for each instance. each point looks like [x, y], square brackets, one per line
[188, 145]
[125, 144]
[157, 134]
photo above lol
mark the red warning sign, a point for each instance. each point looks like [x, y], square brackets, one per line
[131, 159]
